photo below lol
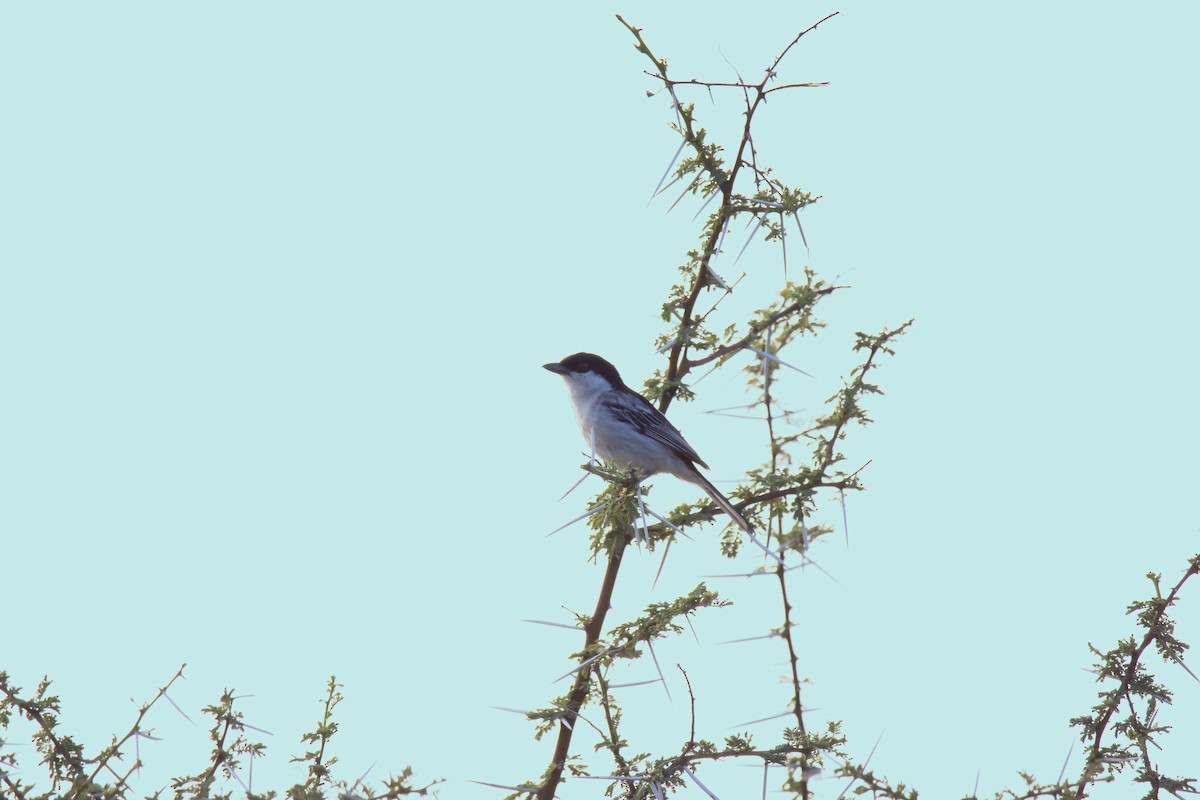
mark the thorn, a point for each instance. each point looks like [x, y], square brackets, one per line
[574, 486]
[721, 241]
[1062, 772]
[800, 228]
[771, 635]
[177, 708]
[667, 171]
[692, 775]
[783, 244]
[824, 571]
[711, 370]
[868, 761]
[666, 688]
[764, 719]
[845, 519]
[584, 515]
[582, 664]
[672, 182]
[683, 194]
[554, 624]
[1179, 661]
[521, 789]
[711, 195]
[765, 549]
[645, 533]
[237, 777]
[749, 239]
[668, 523]
[731, 408]
[777, 360]
[576, 714]
[662, 563]
[635, 683]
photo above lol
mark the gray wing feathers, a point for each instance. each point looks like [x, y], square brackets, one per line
[649, 421]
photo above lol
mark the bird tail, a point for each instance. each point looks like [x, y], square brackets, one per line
[722, 501]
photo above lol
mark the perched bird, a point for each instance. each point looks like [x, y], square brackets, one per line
[626, 429]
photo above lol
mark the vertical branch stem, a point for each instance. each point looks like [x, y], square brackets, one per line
[579, 689]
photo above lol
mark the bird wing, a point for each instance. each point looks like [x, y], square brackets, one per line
[649, 421]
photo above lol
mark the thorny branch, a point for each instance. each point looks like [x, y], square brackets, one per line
[136, 728]
[612, 738]
[579, 688]
[1135, 657]
[720, 84]
[756, 328]
[793, 316]
[1102, 761]
[1125, 663]
[42, 710]
[679, 364]
[59, 753]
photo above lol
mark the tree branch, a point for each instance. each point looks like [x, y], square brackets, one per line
[579, 689]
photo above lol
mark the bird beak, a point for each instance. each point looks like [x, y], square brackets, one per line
[556, 368]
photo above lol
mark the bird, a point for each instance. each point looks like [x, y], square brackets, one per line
[624, 428]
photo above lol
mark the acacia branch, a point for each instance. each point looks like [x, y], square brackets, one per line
[68, 755]
[613, 736]
[678, 365]
[736, 85]
[758, 327]
[1152, 627]
[14, 788]
[579, 688]
[776, 755]
[691, 742]
[135, 729]
[793, 659]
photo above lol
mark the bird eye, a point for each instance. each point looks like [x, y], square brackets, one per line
[585, 367]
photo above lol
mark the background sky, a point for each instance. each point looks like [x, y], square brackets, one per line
[278, 279]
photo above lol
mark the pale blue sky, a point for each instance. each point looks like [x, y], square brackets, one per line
[278, 280]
